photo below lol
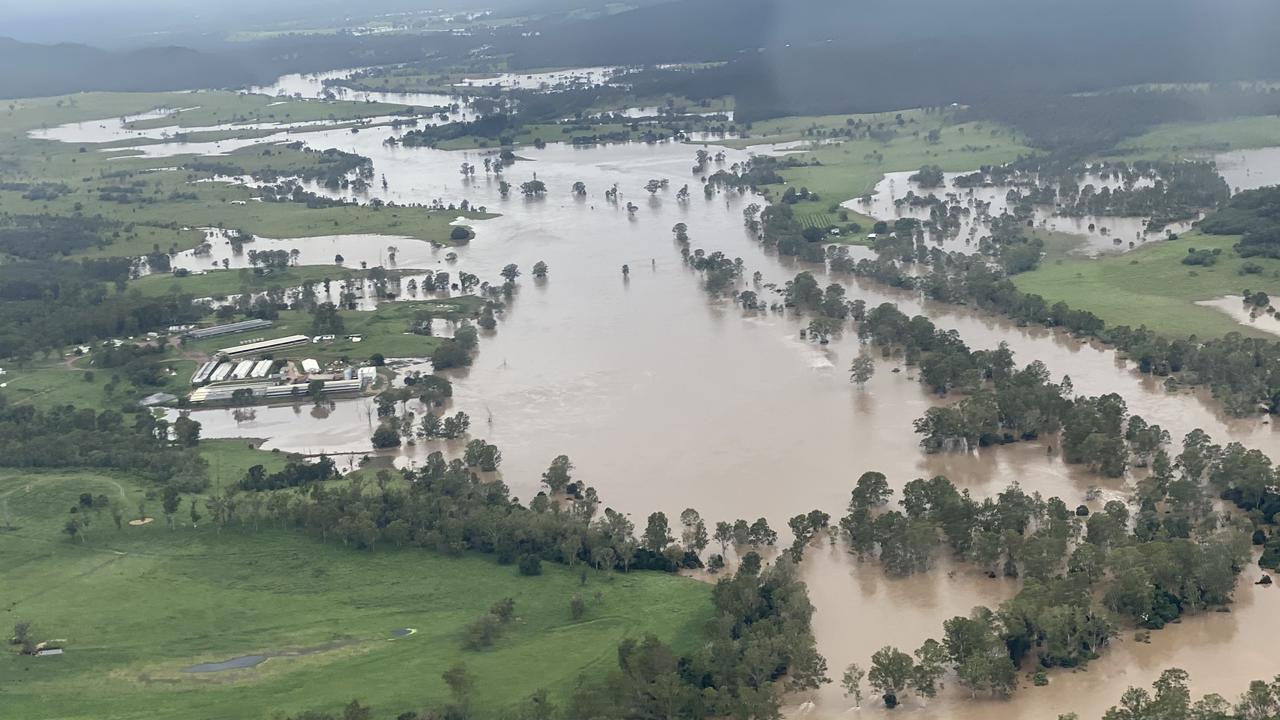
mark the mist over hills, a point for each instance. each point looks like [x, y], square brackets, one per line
[780, 57]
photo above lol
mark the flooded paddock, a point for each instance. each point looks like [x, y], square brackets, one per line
[665, 398]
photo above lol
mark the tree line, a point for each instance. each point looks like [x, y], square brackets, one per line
[1081, 571]
[1242, 372]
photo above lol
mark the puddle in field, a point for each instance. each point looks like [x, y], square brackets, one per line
[244, 661]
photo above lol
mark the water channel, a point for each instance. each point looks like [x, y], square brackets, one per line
[665, 399]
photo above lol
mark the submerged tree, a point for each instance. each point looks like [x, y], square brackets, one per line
[557, 477]
[891, 672]
[851, 681]
[862, 369]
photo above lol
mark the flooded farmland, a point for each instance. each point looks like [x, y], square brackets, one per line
[666, 398]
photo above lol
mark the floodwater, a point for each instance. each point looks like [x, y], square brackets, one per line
[171, 140]
[548, 80]
[311, 85]
[1249, 169]
[1101, 233]
[1245, 314]
[665, 398]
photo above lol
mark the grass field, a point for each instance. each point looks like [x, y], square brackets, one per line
[851, 169]
[1150, 286]
[57, 382]
[137, 606]
[230, 458]
[1182, 139]
[384, 330]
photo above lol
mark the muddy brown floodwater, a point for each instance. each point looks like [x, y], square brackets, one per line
[1099, 233]
[667, 399]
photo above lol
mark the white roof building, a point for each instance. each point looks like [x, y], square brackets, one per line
[265, 346]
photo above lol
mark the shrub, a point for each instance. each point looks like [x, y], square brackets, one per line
[530, 565]
[504, 609]
[386, 437]
[482, 632]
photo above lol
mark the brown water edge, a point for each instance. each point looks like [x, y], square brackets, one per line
[665, 400]
[860, 608]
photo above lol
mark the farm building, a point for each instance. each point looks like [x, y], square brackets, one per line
[230, 328]
[221, 372]
[264, 346]
[203, 372]
[265, 392]
[310, 366]
[262, 368]
[243, 368]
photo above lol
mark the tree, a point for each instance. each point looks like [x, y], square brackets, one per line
[862, 369]
[657, 533]
[461, 684]
[170, 501]
[891, 672]
[694, 535]
[483, 455]
[21, 633]
[872, 490]
[186, 432]
[762, 534]
[723, 535]
[577, 607]
[851, 681]
[557, 477]
[326, 320]
[534, 188]
[459, 233]
[386, 436]
[580, 189]
[930, 176]
[931, 660]
[540, 270]
[510, 272]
